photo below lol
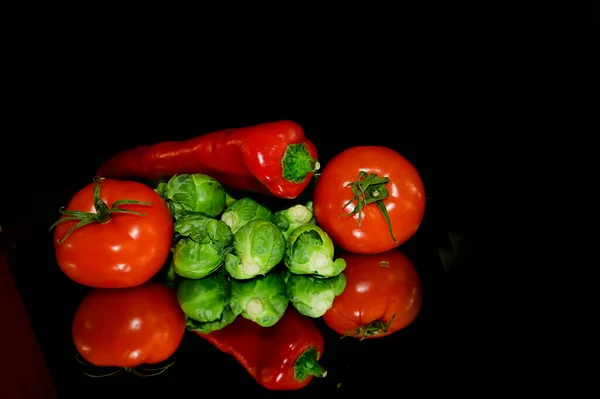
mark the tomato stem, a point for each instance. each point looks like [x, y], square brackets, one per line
[368, 189]
[139, 371]
[377, 327]
[102, 215]
[144, 371]
[102, 375]
[106, 373]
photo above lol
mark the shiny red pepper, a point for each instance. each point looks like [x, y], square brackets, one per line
[272, 158]
[282, 357]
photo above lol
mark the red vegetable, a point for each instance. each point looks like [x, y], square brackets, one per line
[369, 199]
[113, 234]
[282, 357]
[383, 295]
[271, 158]
[128, 327]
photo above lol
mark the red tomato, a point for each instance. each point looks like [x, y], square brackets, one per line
[379, 287]
[116, 249]
[398, 190]
[129, 326]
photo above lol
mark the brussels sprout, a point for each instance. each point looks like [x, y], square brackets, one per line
[313, 296]
[225, 320]
[193, 192]
[243, 211]
[310, 251]
[262, 299]
[170, 275]
[203, 245]
[257, 247]
[206, 303]
[291, 218]
[309, 205]
[228, 199]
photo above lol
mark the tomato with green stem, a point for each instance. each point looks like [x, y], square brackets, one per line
[369, 199]
[383, 295]
[113, 234]
[128, 327]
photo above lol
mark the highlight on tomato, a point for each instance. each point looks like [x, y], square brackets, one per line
[369, 199]
[129, 327]
[113, 234]
[383, 295]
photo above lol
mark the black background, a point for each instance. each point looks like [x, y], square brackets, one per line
[459, 91]
[433, 124]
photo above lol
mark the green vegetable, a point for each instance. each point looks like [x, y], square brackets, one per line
[309, 205]
[203, 245]
[257, 247]
[228, 199]
[310, 251]
[193, 192]
[313, 296]
[291, 218]
[170, 275]
[243, 211]
[261, 299]
[205, 302]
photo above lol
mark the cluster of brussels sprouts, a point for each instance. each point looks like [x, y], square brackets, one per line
[236, 257]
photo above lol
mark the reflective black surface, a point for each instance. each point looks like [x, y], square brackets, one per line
[428, 354]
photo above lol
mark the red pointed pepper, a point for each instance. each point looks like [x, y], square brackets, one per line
[282, 357]
[272, 158]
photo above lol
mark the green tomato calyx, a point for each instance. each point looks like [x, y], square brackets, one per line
[368, 189]
[102, 215]
[139, 371]
[377, 327]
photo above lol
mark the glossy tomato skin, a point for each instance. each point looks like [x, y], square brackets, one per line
[124, 252]
[378, 286]
[130, 326]
[405, 203]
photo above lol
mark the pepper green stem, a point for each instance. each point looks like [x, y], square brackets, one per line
[102, 215]
[297, 163]
[308, 364]
[369, 189]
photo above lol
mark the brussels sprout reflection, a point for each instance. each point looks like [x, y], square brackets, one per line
[310, 251]
[242, 211]
[202, 247]
[313, 296]
[261, 299]
[193, 192]
[257, 247]
[206, 302]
